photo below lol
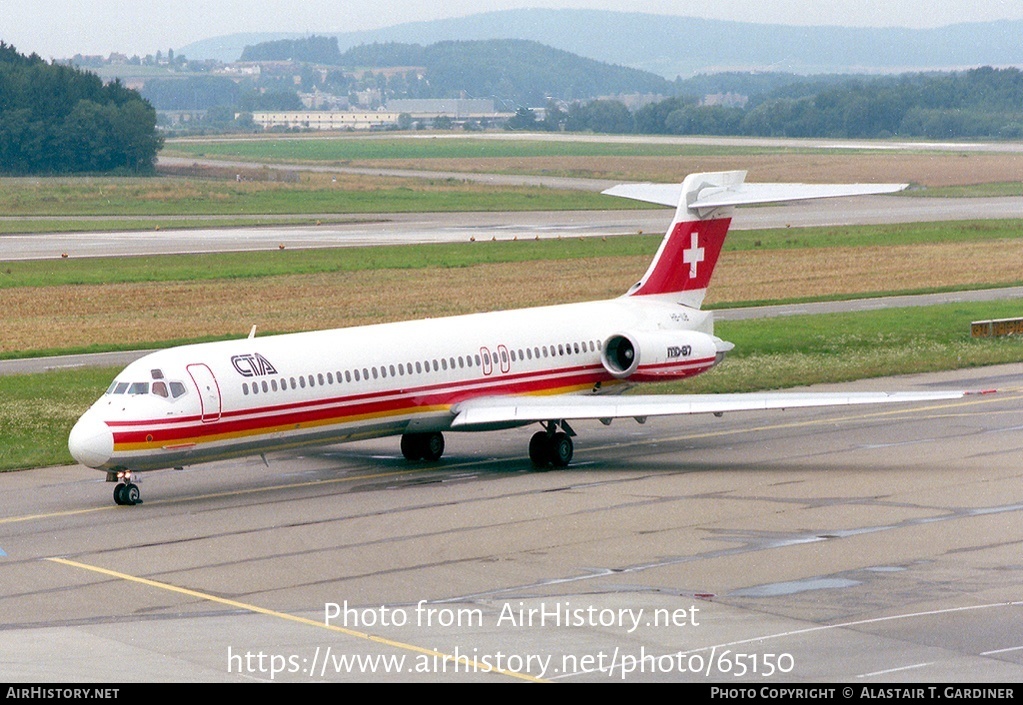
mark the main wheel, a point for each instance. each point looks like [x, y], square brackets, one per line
[433, 447]
[539, 450]
[560, 449]
[422, 446]
[412, 446]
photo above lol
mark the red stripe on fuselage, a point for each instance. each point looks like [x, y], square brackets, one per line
[337, 409]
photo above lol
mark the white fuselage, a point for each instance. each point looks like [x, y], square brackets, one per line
[200, 402]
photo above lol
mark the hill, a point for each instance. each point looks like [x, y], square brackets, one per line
[671, 46]
[517, 71]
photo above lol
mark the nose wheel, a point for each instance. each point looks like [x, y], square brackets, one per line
[127, 493]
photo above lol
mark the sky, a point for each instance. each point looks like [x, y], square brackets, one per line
[63, 28]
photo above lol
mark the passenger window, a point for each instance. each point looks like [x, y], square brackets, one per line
[273, 384]
[319, 378]
[301, 382]
[357, 376]
[245, 388]
[443, 363]
[348, 376]
[330, 378]
[312, 381]
[374, 370]
[265, 387]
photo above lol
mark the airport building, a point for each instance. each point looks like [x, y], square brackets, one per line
[326, 119]
[422, 112]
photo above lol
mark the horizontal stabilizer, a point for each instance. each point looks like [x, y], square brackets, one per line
[746, 194]
[510, 410]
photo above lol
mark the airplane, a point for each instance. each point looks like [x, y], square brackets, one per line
[549, 365]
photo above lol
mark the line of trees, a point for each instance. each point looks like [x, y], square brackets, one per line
[58, 119]
[983, 102]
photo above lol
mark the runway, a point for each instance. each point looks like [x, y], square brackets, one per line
[423, 228]
[854, 545]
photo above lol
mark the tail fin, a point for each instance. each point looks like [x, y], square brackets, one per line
[682, 268]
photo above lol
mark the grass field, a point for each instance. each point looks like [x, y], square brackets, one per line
[311, 195]
[586, 156]
[362, 148]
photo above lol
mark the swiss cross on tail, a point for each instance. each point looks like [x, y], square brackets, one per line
[683, 266]
[694, 255]
[686, 259]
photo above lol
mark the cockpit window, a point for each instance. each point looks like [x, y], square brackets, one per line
[161, 388]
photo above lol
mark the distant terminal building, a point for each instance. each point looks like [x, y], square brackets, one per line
[325, 119]
[454, 108]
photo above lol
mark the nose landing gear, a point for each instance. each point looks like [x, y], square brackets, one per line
[126, 493]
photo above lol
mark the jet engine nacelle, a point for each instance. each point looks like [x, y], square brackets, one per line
[650, 356]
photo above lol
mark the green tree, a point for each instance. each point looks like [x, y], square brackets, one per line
[59, 119]
[524, 119]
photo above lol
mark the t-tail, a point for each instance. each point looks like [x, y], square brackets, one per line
[704, 203]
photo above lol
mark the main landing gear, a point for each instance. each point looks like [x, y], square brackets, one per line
[126, 492]
[422, 446]
[551, 447]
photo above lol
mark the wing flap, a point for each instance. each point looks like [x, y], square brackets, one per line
[513, 410]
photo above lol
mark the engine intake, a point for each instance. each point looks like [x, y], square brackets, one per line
[659, 355]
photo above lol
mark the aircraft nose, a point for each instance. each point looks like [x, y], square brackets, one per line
[91, 442]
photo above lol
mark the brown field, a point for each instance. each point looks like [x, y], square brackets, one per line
[129, 314]
[926, 169]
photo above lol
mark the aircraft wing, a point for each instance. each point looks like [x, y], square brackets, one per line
[495, 411]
